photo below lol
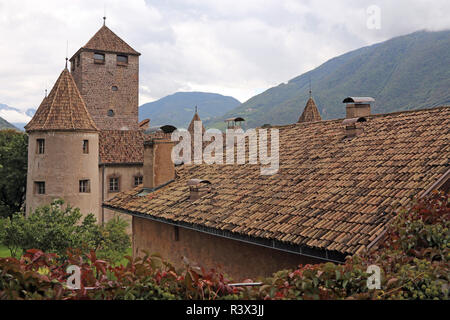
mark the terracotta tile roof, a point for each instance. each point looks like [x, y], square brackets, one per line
[330, 192]
[63, 109]
[310, 113]
[121, 146]
[106, 40]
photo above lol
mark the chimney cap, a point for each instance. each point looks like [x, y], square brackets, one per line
[354, 120]
[165, 128]
[236, 119]
[358, 100]
[196, 182]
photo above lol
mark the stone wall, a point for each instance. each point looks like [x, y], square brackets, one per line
[95, 82]
[61, 167]
[238, 259]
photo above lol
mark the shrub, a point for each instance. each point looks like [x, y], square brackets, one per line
[53, 229]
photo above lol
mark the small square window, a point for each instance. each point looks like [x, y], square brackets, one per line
[122, 60]
[138, 180]
[113, 184]
[85, 186]
[40, 146]
[40, 187]
[86, 146]
[99, 58]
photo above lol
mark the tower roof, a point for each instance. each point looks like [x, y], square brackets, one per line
[63, 109]
[196, 117]
[310, 113]
[106, 40]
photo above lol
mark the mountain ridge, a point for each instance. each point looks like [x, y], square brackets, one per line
[402, 73]
[178, 109]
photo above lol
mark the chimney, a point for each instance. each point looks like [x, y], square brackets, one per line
[353, 126]
[358, 107]
[234, 123]
[159, 169]
[198, 188]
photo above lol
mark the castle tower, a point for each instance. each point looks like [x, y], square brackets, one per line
[63, 150]
[106, 71]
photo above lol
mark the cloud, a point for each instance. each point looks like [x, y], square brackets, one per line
[14, 116]
[230, 47]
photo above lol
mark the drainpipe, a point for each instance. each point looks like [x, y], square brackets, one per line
[103, 194]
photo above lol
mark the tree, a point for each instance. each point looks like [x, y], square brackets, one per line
[54, 228]
[13, 171]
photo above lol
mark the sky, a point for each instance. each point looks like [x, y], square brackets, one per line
[235, 48]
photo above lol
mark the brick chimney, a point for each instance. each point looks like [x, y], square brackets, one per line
[158, 166]
[198, 188]
[358, 107]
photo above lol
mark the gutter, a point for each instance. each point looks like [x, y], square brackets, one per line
[326, 255]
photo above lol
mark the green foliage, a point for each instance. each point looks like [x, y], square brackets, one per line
[404, 73]
[113, 241]
[54, 228]
[13, 171]
[413, 258]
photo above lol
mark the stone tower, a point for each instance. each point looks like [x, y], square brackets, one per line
[106, 71]
[63, 150]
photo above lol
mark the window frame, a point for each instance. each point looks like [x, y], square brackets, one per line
[85, 146]
[137, 178]
[124, 62]
[110, 184]
[40, 146]
[84, 186]
[99, 61]
[39, 187]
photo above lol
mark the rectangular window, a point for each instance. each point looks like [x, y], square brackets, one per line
[122, 60]
[40, 146]
[137, 180]
[40, 187]
[85, 186]
[99, 58]
[113, 184]
[85, 146]
[78, 60]
[72, 65]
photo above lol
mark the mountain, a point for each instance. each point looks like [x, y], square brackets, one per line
[178, 109]
[6, 125]
[403, 73]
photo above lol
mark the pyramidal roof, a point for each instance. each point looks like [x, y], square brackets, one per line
[196, 117]
[310, 113]
[106, 40]
[63, 109]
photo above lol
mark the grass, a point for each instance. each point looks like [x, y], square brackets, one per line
[4, 251]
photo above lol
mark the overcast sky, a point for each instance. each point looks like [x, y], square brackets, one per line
[237, 48]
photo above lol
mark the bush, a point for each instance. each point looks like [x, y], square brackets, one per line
[13, 171]
[54, 229]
